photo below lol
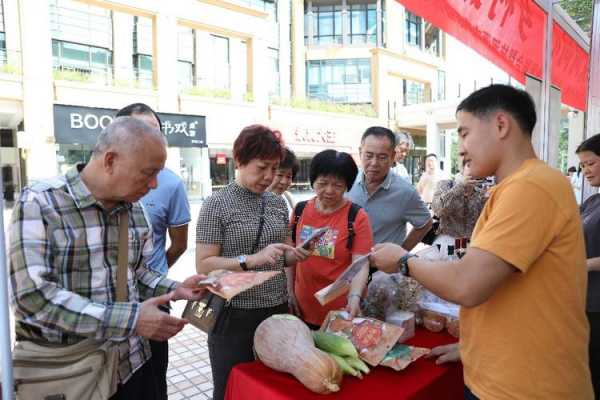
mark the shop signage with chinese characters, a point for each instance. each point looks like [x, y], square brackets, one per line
[313, 136]
[82, 125]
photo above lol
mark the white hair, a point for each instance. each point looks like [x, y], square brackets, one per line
[404, 137]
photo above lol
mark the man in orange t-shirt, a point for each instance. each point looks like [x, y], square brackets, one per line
[522, 283]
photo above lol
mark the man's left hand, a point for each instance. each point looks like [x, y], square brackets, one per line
[385, 256]
[189, 289]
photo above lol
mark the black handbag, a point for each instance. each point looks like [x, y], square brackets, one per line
[205, 313]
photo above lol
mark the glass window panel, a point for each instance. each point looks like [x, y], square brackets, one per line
[372, 22]
[338, 73]
[185, 73]
[145, 62]
[185, 41]
[358, 20]
[75, 54]
[314, 73]
[351, 73]
[99, 56]
[365, 72]
[325, 23]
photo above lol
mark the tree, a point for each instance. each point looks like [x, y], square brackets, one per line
[580, 11]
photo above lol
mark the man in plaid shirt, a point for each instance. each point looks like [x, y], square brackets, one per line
[64, 240]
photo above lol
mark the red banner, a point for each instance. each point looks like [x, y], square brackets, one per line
[570, 68]
[510, 33]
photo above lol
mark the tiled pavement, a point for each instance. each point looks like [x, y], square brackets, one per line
[189, 376]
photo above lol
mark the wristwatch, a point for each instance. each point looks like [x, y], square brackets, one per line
[242, 261]
[403, 263]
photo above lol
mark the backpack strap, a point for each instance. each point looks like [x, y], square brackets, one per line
[352, 213]
[297, 214]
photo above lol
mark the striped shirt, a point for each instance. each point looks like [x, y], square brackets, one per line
[63, 264]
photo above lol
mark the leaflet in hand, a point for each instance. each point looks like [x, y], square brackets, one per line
[313, 238]
[342, 284]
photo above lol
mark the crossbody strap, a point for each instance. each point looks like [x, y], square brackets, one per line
[122, 256]
[260, 225]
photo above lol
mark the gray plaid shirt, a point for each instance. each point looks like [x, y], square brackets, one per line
[230, 218]
[63, 263]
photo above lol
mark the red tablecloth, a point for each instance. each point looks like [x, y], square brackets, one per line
[423, 379]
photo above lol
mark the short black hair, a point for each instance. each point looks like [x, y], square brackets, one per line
[290, 161]
[431, 155]
[590, 144]
[518, 103]
[333, 163]
[380, 131]
[139, 108]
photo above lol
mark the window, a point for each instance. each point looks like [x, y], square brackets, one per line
[73, 21]
[413, 29]
[441, 85]
[327, 24]
[414, 92]
[363, 23]
[327, 21]
[268, 6]
[185, 57]
[340, 81]
[3, 55]
[220, 57]
[274, 86]
[142, 50]
[81, 58]
[432, 39]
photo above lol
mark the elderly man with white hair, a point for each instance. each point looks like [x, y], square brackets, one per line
[64, 252]
[404, 143]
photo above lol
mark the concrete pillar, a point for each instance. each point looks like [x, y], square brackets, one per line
[379, 24]
[394, 26]
[345, 23]
[258, 70]
[123, 48]
[576, 127]
[285, 45]
[205, 177]
[38, 92]
[433, 135]
[298, 60]
[13, 35]
[448, 159]
[164, 58]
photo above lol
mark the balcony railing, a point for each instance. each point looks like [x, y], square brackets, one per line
[10, 62]
[105, 75]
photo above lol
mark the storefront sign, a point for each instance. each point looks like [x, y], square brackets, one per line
[314, 136]
[221, 159]
[82, 125]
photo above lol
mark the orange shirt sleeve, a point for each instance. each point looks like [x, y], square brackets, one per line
[518, 223]
[363, 241]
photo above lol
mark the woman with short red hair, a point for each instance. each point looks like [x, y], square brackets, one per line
[245, 227]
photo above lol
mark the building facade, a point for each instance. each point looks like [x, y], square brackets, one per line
[320, 71]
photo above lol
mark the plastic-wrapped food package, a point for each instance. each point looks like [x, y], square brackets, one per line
[453, 327]
[404, 319]
[228, 284]
[435, 314]
[400, 356]
[433, 321]
[372, 338]
[383, 295]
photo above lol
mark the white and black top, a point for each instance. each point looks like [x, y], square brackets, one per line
[230, 218]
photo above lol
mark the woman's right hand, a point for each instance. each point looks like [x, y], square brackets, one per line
[269, 255]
